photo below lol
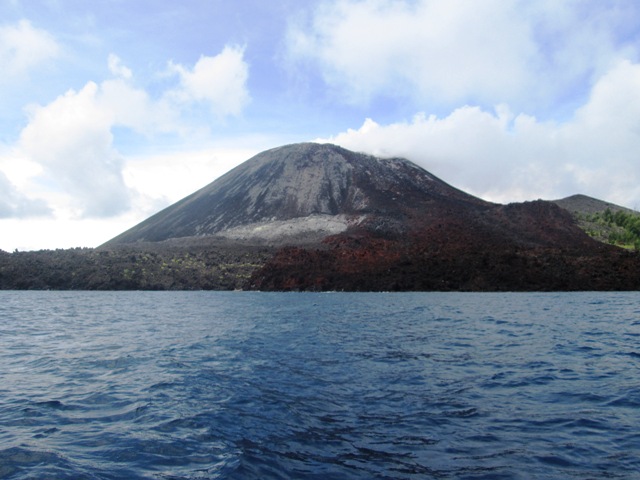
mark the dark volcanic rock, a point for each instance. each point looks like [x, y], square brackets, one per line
[533, 246]
[348, 221]
[319, 217]
[138, 267]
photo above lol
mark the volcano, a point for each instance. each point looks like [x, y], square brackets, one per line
[341, 220]
[299, 194]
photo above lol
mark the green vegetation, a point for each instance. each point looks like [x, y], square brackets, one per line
[617, 228]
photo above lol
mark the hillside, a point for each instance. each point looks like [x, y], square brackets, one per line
[533, 246]
[299, 194]
[340, 220]
[319, 217]
[604, 221]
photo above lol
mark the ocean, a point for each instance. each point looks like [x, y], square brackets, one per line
[250, 385]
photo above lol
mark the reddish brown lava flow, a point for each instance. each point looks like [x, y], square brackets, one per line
[533, 246]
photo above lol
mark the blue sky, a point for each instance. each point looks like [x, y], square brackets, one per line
[114, 109]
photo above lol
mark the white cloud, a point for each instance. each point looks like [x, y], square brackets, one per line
[154, 182]
[66, 154]
[23, 47]
[220, 81]
[505, 157]
[482, 52]
[117, 68]
[60, 232]
[71, 138]
[166, 178]
[15, 204]
[130, 107]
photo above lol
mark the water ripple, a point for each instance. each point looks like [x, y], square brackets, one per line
[146, 385]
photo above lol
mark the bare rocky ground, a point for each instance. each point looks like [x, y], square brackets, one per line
[319, 217]
[534, 246]
[139, 267]
[309, 230]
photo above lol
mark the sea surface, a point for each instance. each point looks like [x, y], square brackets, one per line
[247, 385]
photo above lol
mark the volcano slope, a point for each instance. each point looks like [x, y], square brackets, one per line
[340, 220]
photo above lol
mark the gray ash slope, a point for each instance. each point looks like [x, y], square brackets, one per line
[298, 191]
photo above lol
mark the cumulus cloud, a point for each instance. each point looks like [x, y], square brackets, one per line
[504, 157]
[15, 204]
[71, 138]
[23, 47]
[495, 71]
[446, 53]
[133, 108]
[220, 81]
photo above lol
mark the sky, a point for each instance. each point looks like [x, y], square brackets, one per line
[114, 109]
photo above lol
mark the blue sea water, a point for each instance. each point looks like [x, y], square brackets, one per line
[240, 385]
